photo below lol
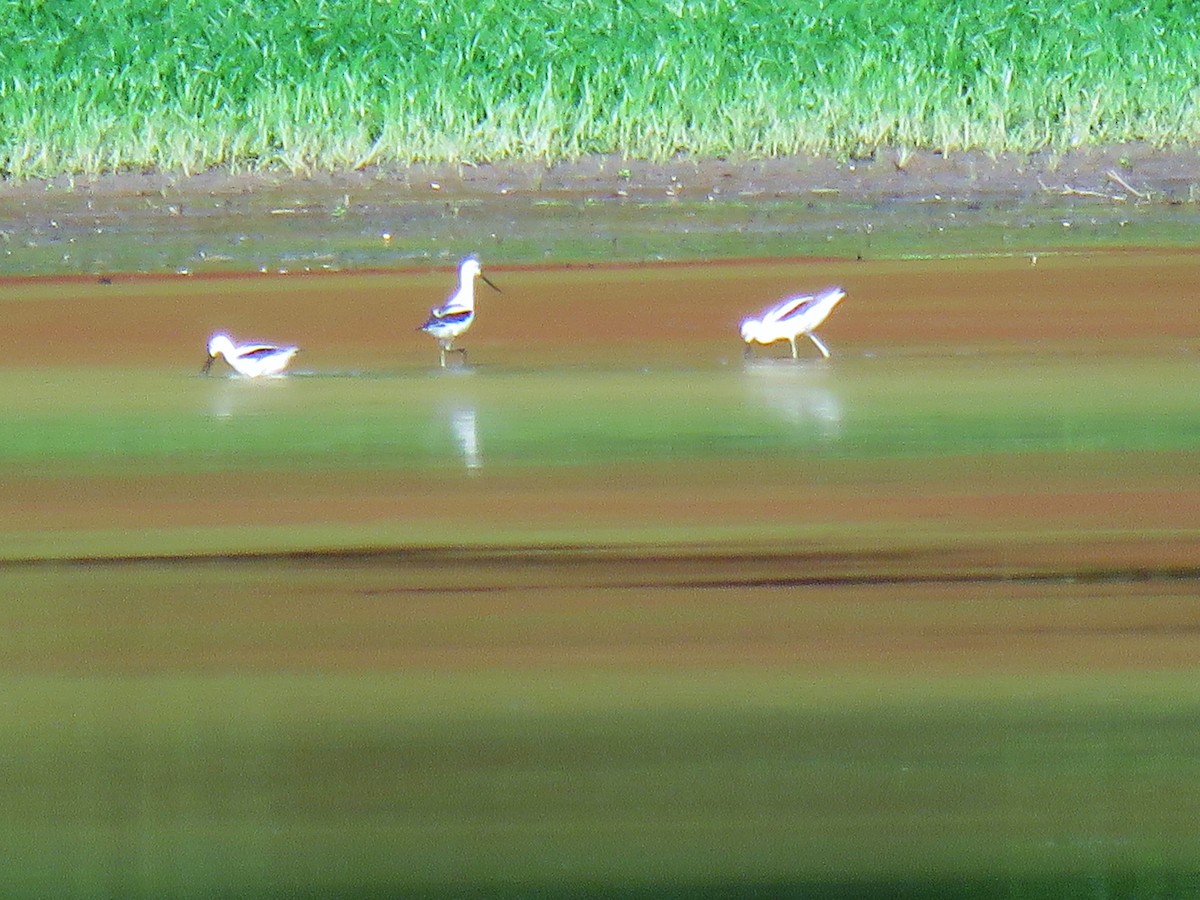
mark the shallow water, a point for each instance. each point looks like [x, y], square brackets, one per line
[586, 722]
[607, 607]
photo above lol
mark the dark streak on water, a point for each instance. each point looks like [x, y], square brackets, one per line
[564, 558]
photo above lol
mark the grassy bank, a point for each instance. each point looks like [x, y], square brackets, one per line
[309, 84]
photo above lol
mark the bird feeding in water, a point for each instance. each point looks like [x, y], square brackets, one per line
[452, 318]
[251, 360]
[790, 318]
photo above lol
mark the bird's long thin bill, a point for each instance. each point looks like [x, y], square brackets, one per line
[489, 283]
[207, 365]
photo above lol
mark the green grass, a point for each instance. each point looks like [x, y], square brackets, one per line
[305, 84]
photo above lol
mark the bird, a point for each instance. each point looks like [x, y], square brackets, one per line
[251, 360]
[452, 318]
[789, 318]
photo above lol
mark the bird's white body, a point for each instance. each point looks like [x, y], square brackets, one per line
[790, 318]
[251, 360]
[452, 318]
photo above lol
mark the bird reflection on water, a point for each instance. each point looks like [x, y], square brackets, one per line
[240, 397]
[797, 393]
[466, 433]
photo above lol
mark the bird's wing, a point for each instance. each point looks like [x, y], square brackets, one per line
[257, 351]
[786, 308]
[448, 316]
[451, 306]
[798, 306]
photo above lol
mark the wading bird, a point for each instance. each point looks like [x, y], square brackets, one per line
[790, 318]
[251, 360]
[455, 316]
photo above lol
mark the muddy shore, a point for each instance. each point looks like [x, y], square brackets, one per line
[601, 209]
[1126, 173]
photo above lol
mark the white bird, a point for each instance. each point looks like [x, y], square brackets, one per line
[251, 360]
[790, 318]
[452, 318]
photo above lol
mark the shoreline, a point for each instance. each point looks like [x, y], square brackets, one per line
[601, 210]
[1130, 173]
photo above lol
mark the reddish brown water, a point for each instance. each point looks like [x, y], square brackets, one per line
[1089, 303]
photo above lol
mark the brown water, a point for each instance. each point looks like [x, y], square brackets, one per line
[909, 638]
[685, 314]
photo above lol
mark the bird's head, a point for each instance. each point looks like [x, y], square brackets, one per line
[219, 343]
[750, 329]
[470, 268]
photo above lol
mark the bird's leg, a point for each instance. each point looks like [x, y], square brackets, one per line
[792, 340]
[820, 345]
[442, 354]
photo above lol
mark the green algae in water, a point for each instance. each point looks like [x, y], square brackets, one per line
[853, 408]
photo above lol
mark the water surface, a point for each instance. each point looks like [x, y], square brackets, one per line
[608, 608]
